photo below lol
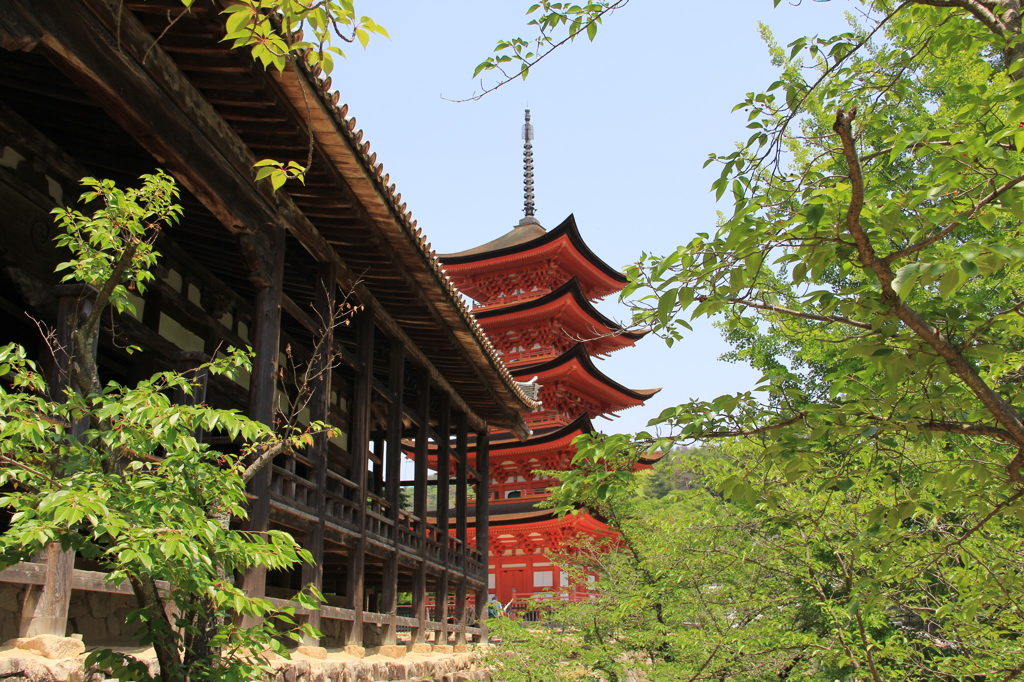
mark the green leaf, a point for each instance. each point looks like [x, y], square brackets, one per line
[906, 278]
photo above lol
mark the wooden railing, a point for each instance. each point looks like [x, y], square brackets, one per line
[343, 510]
[93, 581]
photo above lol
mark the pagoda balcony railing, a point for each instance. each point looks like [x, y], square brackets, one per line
[513, 358]
[509, 299]
[547, 418]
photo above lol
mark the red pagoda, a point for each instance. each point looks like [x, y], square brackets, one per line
[534, 291]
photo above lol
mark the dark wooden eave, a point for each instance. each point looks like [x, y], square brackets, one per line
[207, 114]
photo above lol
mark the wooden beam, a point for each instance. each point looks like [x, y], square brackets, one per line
[483, 505]
[262, 392]
[461, 478]
[101, 49]
[461, 610]
[419, 593]
[359, 443]
[461, 530]
[444, 461]
[441, 608]
[392, 491]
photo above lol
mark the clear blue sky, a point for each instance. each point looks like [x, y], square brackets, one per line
[623, 126]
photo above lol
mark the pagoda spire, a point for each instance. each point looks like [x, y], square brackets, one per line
[528, 205]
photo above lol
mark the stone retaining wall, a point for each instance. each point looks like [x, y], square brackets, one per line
[21, 666]
[11, 596]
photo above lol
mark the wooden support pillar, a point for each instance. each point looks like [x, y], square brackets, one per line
[262, 397]
[483, 503]
[319, 410]
[441, 609]
[45, 607]
[461, 526]
[419, 591]
[461, 610]
[359, 443]
[377, 475]
[392, 489]
[444, 461]
[444, 466]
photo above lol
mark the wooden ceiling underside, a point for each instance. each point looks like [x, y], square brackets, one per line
[254, 107]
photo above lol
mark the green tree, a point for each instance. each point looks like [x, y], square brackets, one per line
[818, 585]
[117, 474]
[870, 266]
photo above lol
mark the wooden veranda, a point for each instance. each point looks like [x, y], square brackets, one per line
[86, 89]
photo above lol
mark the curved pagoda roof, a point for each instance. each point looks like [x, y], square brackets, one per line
[579, 319]
[578, 372]
[523, 517]
[530, 243]
[505, 445]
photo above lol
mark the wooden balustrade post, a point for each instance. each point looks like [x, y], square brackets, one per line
[262, 397]
[359, 443]
[392, 489]
[320, 410]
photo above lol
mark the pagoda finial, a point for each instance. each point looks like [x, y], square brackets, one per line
[528, 206]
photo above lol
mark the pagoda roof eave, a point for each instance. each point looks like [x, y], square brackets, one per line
[531, 240]
[570, 290]
[538, 522]
[582, 424]
[578, 354]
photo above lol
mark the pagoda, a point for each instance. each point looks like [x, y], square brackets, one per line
[534, 292]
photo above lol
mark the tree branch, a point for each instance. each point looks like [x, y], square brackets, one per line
[759, 430]
[995, 510]
[924, 243]
[13, 462]
[265, 457]
[867, 650]
[968, 429]
[619, 4]
[980, 12]
[1003, 412]
[796, 313]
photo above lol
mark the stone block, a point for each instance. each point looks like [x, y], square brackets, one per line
[443, 649]
[373, 634]
[96, 628]
[420, 648]
[10, 598]
[99, 604]
[313, 651]
[391, 651]
[354, 650]
[51, 646]
[462, 649]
